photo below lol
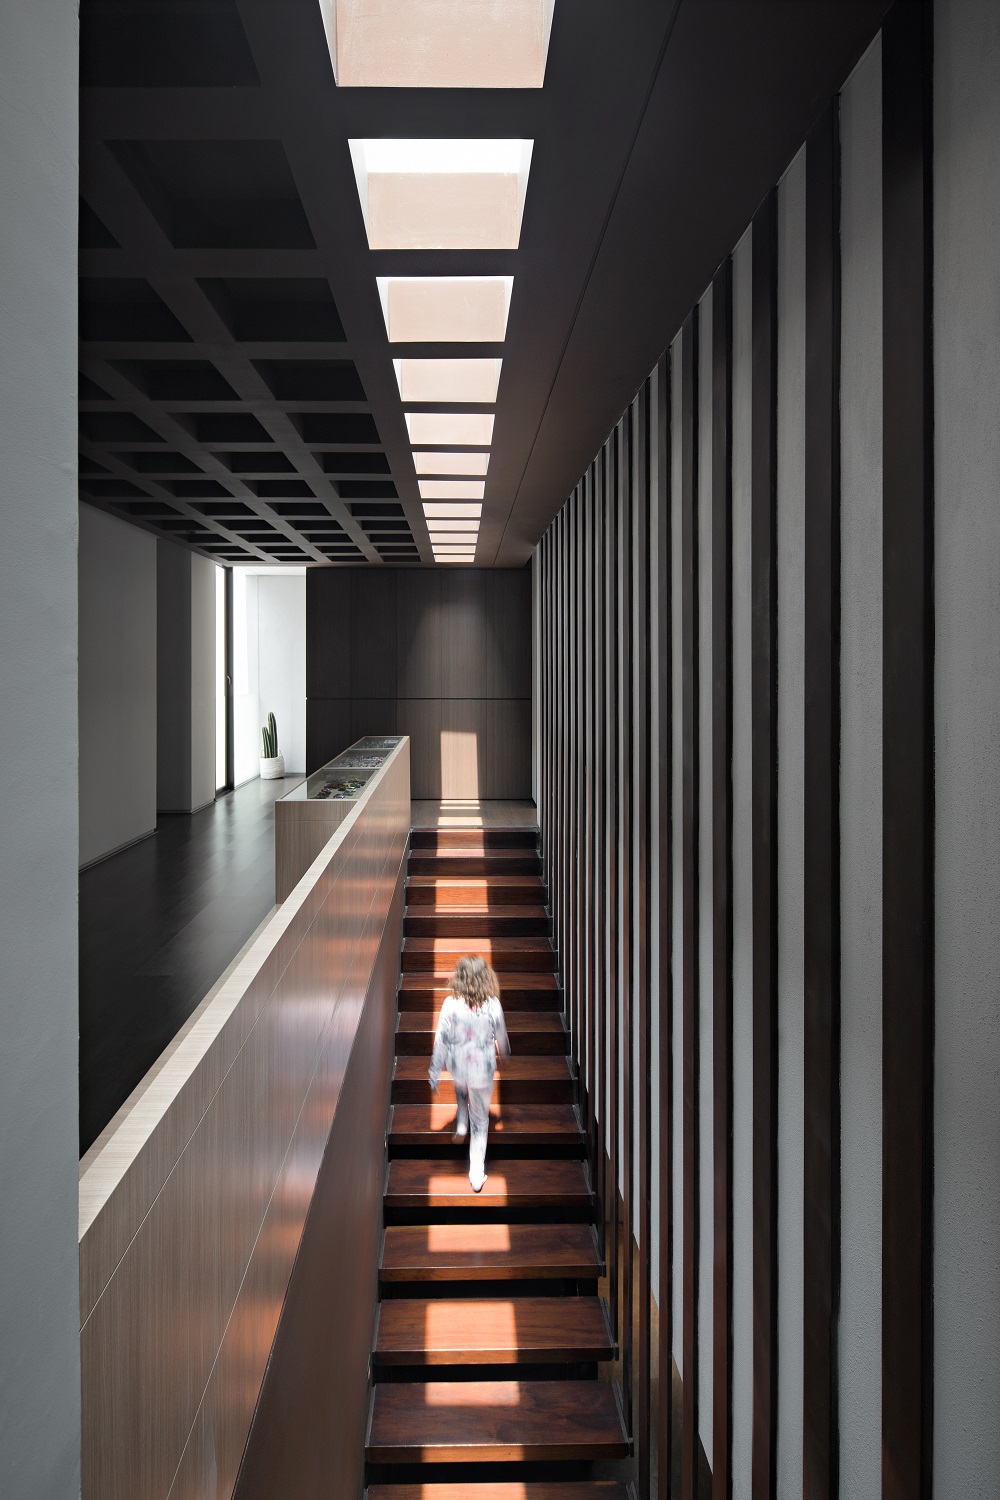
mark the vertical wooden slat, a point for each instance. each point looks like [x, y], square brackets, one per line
[641, 655]
[722, 881]
[664, 771]
[689, 893]
[590, 882]
[614, 824]
[907, 755]
[598, 1143]
[764, 853]
[821, 815]
[626, 565]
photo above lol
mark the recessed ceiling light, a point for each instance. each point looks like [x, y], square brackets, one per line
[442, 510]
[465, 541]
[445, 309]
[452, 489]
[450, 428]
[466, 464]
[455, 559]
[466, 380]
[458, 194]
[445, 45]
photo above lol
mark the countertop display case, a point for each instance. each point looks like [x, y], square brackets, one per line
[307, 816]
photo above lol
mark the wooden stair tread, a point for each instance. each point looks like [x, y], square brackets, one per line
[495, 1420]
[523, 837]
[491, 1330]
[475, 911]
[424, 1022]
[531, 1069]
[456, 945]
[559, 1489]
[532, 1183]
[523, 1124]
[489, 1252]
[441, 892]
[440, 954]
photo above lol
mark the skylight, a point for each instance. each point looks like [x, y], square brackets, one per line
[442, 511]
[465, 194]
[452, 489]
[475, 381]
[445, 309]
[447, 429]
[438, 464]
[443, 44]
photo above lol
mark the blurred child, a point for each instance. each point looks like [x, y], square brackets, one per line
[470, 1033]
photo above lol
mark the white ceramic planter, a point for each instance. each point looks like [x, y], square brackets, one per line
[272, 767]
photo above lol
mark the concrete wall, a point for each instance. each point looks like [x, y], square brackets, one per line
[117, 695]
[185, 679]
[861, 779]
[39, 1299]
[967, 735]
[281, 662]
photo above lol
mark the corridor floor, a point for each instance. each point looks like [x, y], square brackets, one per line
[159, 923]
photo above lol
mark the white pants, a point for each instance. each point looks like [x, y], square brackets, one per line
[474, 1112]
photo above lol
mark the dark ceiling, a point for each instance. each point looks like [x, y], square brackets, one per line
[237, 389]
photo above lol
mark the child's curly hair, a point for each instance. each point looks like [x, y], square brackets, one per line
[474, 982]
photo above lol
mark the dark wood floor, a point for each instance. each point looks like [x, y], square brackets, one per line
[159, 923]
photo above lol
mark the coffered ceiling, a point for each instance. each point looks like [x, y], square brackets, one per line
[238, 289]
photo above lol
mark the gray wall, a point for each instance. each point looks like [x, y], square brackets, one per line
[117, 615]
[39, 1299]
[185, 679]
[443, 655]
[967, 732]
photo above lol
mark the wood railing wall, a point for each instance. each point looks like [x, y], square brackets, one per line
[212, 1212]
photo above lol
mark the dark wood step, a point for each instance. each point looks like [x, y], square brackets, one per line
[491, 1331]
[433, 1124]
[519, 1080]
[426, 991]
[578, 1489]
[562, 1186]
[471, 923]
[468, 862]
[444, 892]
[490, 1252]
[449, 839]
[436, 954]
[495, 1421]
[531, 1032]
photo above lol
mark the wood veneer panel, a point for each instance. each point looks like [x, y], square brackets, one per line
[421, 632]
[496, 1421]
[764, 852]
[508, 748]
[464, 751]
[328, 635]
[463, 670]
[373, 633]
[821, 814]
[689, 895]
[328, 729]
[373, 716]
[420, 718]
[722, 881]
[460, 1331]
[489, 1252]
[907, 756]
[508, 633]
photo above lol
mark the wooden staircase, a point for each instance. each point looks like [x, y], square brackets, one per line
[490, 1333]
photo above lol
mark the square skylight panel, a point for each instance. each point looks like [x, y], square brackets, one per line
[438, 44]
[466, 464]
[445, 309]
[453, 194]
[443, 511]
[447, 429]
[452, 489]
[475, 381]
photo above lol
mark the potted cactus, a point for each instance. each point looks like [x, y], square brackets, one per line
[272, 765]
